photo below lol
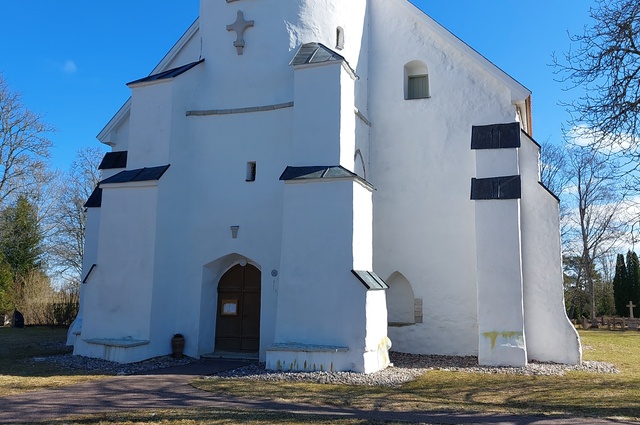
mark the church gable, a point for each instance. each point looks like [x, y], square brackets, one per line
[266, 212]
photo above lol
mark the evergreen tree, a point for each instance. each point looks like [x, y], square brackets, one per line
[21, 238]
[634, 288]
[620, 291]
[6, 287]
[21, 254]
[633, 279]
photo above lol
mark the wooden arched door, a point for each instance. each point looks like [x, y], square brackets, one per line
[238, 319]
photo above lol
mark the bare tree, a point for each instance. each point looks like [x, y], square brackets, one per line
[67, 241]
[596, 201]
[555, 175]
[553, 168]
[24, 145]
[605, 63]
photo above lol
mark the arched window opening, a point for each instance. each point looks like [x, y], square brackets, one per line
[416, 81]
[339, 38]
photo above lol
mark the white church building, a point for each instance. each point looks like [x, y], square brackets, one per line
[312, 182]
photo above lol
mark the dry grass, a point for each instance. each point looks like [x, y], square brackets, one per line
[210, 417]
[19, 373]
[576, 394]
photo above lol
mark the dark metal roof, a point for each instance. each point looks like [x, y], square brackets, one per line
[315, 53]
[114, 160]
[86, 278]
[171, 73]
[507, 187]
[95, 199]
[370, 280]
[496, 136]
[137, 175]
[316, 172]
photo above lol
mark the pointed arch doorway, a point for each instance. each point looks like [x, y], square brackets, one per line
[238, 317]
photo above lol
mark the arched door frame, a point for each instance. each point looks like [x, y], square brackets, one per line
[238, 309]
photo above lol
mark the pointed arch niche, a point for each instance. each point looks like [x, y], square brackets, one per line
[401, 302]
[416, 80]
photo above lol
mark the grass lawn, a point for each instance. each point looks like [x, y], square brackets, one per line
[205, 416]
[575, 394]
[19, 373]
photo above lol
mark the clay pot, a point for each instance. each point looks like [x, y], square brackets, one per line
[177, 346]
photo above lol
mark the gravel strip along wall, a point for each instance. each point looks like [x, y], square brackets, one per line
[406, 367]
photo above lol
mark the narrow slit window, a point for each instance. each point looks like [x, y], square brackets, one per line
[418, 87]
[339, 38]
[251, 171]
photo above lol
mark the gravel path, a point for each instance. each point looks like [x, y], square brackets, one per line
[99, 366]
[406, 367]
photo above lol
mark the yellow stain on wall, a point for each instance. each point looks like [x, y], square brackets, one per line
[494, 336]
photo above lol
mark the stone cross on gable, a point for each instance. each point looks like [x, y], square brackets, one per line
[631, 305]
[239, 26]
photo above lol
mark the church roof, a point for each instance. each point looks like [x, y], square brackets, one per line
[315, 172]
[113, 160]
[370, 280]
[316, 53]
[95, 199]
[137, 175]
[170, 73]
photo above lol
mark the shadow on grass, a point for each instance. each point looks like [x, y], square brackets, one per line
[580, 394]
[577, 394]
[213, 417]
[22, 352]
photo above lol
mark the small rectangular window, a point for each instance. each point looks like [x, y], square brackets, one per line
[251, 171]
[418, 87]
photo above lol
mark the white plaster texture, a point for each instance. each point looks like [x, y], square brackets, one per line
[322, 222]
[162, 247]
[550, 335]
[500, 304]
[421, 167]
[128, 216]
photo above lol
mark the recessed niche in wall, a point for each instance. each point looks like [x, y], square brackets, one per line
[251, 171]
[401, 304]
[339, 38]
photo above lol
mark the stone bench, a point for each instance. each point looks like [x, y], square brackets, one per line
[117, 342]
[115, 349]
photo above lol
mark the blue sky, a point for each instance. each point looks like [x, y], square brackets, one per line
[71, 59]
